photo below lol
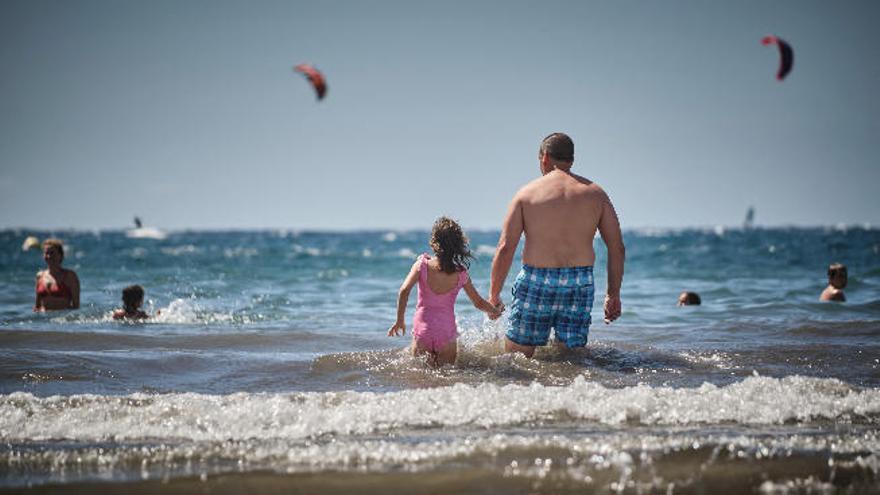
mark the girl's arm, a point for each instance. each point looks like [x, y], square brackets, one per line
[479, 302]
[399, 326]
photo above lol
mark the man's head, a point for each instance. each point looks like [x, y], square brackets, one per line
[689, 299]
[557, 151]
[837, 275]
[133, 297]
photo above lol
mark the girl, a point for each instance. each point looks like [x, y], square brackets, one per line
[440, 278]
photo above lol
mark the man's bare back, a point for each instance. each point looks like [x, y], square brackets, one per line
[561, 213]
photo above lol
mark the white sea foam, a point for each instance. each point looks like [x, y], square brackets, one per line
[180, 250]
[308, 250]
[177, 311]
[406, 253]
[389, 237]
[240, 252]
[188, 311]
[611, 450]
[197, 417]
[485, 249]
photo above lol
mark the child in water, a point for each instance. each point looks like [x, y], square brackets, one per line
[837, 279]
[132, 300]
[440, 278]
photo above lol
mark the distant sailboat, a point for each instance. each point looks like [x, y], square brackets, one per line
[141, 232]
[750, 219]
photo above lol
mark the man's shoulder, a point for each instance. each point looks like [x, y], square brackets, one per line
[588, 184]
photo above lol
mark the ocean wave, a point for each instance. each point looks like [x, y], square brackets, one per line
[648, 460]
[485, 250]
[199, 417]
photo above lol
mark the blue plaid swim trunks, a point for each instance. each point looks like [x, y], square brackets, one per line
[557, 298]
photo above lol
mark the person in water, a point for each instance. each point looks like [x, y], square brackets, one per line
[440, 277]
[56, 287]
[689, 299]
[132, 300]
[837, 279]
[559, 213]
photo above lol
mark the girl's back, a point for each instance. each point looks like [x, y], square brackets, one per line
[439, 281]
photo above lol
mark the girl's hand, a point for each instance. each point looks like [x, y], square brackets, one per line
[397, 327]
[494, 312]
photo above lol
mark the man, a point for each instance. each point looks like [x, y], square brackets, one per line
[837, 279]
[559, 213]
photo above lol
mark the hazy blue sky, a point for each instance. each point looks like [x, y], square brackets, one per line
[188, 113]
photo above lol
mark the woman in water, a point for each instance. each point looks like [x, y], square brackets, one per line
[440, 278]
[56, 287]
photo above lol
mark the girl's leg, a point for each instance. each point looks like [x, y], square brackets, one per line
[448, 353]
[419, 349]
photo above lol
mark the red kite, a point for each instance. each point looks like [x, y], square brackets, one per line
[314, 77]
[786, 55]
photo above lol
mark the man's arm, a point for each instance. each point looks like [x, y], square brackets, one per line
[609, 229]
[507, 242]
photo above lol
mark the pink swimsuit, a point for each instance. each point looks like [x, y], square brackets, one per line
[434, 321]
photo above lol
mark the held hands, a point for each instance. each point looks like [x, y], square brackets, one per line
[495, 311]
[497, 308]
[399, 328]
[612, 308]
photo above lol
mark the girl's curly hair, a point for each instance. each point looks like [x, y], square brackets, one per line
[450, 245]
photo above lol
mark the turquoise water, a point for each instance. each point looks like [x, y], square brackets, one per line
[270, 354]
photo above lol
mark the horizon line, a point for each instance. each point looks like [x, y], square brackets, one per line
[638, 229]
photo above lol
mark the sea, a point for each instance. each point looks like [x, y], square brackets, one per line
[266, 368]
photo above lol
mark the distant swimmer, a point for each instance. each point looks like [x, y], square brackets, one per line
[440, 277]
[132, 300]
[56, 287]
[837, 279]
[689, 299]
[559, 213]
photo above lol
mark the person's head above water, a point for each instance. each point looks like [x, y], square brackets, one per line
[689, 299]
[837, 276]
[450, 245]
[556, 151]
[53, 251]
[132, 297]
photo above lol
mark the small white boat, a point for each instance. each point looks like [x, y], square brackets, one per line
[141, 232]
[145, 233]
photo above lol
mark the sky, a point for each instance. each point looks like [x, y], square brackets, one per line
[188, 113]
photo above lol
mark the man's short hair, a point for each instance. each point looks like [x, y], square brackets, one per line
[688, 298]
[559, 147]
[836, 269]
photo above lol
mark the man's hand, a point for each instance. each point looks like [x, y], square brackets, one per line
[495, 301]
[612, 308]
[399, 328]
[499, 308]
